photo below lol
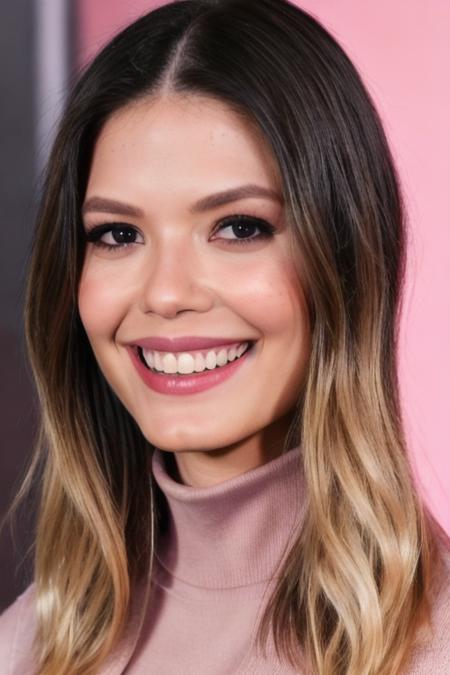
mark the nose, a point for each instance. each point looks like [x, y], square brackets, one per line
[175, 281]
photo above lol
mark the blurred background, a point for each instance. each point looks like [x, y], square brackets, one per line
[402, 51]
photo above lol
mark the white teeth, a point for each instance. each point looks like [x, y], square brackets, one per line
[211, 360]
[170, 363]
[241, 349]
[222, 357]
[185, 363]
[158, 360]
[232, 354]
[199, 363]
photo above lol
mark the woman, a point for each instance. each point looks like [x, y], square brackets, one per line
[211, 318]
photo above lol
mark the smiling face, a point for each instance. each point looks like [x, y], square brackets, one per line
[175, 267]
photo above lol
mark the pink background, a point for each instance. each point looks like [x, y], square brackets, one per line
[402, 50]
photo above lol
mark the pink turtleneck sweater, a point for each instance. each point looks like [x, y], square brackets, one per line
[214, 571]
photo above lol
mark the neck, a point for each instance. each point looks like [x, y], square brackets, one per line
[211, 467]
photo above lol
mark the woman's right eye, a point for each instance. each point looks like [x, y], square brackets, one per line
[113, 236]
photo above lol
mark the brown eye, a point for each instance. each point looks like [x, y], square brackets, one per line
[245, 229]
[113, 236]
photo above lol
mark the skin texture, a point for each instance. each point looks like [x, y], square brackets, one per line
[182, 276]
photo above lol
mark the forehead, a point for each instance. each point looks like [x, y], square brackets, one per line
[182, 137]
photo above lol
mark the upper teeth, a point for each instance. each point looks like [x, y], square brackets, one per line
[196, 361]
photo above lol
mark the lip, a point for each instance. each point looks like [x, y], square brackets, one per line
[188, 384]
[185, 343]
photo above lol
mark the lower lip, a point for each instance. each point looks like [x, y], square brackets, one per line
[188, 384]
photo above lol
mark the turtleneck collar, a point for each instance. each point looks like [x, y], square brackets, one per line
[234, 533]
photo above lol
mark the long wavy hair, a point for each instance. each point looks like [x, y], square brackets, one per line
[356, 585]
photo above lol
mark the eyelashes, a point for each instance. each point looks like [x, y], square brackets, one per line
[121, 235]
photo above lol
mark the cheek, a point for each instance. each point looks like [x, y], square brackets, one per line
[274, 298]
[98, 304]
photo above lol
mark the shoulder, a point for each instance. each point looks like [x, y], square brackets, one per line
[17, 626]
[431, 656]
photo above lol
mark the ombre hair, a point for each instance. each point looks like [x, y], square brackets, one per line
[356, 586]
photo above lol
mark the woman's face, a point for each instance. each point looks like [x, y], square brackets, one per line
[163, 174]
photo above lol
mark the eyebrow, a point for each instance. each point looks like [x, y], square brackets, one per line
[103, 205]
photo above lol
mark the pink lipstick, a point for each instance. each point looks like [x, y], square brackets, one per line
[185, 344]
[193, 383]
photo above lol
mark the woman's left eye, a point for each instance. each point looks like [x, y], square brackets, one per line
[242, 226]
[115, 236]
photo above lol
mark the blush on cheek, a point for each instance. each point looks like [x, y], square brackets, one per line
[94, 299]
[85, 296]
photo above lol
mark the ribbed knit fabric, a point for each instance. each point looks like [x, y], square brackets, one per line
[214, 576]
[215, 567]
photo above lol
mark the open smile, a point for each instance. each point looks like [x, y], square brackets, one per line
[215, 369]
